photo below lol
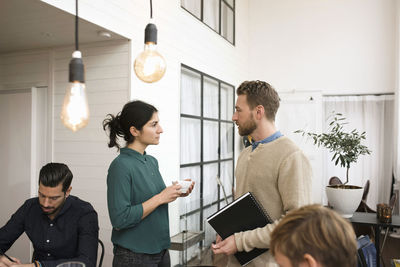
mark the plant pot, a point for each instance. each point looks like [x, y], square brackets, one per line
[344, 199]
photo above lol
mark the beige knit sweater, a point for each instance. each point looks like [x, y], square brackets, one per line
[279, 175]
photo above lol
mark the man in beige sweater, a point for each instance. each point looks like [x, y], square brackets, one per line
[273, 168]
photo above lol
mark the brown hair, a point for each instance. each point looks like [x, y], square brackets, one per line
[318, 231]
[260, 93]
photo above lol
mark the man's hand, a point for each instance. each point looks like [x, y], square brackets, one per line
[226, 246]
[218, 239]
[5, 262]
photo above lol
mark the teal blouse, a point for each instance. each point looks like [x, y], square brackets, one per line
[132, 179]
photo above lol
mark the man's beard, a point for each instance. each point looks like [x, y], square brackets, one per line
[53, 210]
[248, 127]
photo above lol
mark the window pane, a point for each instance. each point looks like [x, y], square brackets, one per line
[190, 92]
[187, 204]
[227, 178]
[210, 98]
[226, 102]
[227, 22]
[230, 2]
[209, 231]
[226, 140]
[211, 14]
[210, 140]
[210, 185]
[193, 6]
[191, 224]
[190, 140]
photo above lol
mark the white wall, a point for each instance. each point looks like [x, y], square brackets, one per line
[23, 70]
[307, 45]
[182, 38]
[344, 46]
[86, 151]
[325, 47]
[15, 182]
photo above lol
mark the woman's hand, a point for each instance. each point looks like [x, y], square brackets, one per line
[189, 190]
[170, 193]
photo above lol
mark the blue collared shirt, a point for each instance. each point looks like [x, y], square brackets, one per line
[270, 138]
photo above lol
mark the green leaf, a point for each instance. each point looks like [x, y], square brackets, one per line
[345, 146]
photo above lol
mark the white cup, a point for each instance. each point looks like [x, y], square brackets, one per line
[184, 185]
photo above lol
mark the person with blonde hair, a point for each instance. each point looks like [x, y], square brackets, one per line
[314, 236]
[273, 169]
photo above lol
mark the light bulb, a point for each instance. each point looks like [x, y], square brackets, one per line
[150, 65]
[75, 109]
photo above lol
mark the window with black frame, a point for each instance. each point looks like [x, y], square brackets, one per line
[219, 15]
[206, 147]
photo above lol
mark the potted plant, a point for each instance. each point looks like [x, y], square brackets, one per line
[346, 147]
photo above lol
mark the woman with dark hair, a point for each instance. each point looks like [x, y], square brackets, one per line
[136, 194]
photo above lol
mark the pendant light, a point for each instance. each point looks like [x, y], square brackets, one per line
[75, 109]
[150, 65]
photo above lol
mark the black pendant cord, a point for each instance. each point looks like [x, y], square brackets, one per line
[76, 26]
[76, 69]
[151, 9]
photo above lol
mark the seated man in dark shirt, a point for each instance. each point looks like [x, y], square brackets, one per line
[60, 226]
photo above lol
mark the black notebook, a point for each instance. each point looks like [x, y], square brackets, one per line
[243, 214]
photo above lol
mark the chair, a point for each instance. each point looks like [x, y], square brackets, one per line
[102, 253]
[334, 181]
[392, 202]
[363, 207]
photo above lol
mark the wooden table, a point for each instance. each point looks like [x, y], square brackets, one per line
[371, 220]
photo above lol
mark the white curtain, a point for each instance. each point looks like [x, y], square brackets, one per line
[210, 98]
[194, 6]
[374, 115]
[211, 14]
[190, 92]
[226, 102]
[227, 22]
[190, 148]
[304, 111]
[190, 143]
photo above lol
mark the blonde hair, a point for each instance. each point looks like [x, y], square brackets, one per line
[318, 231]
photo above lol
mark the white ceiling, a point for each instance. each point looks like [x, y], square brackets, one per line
[32, 24]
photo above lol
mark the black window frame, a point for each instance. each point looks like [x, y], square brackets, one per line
[220, 198]
[219, 32]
